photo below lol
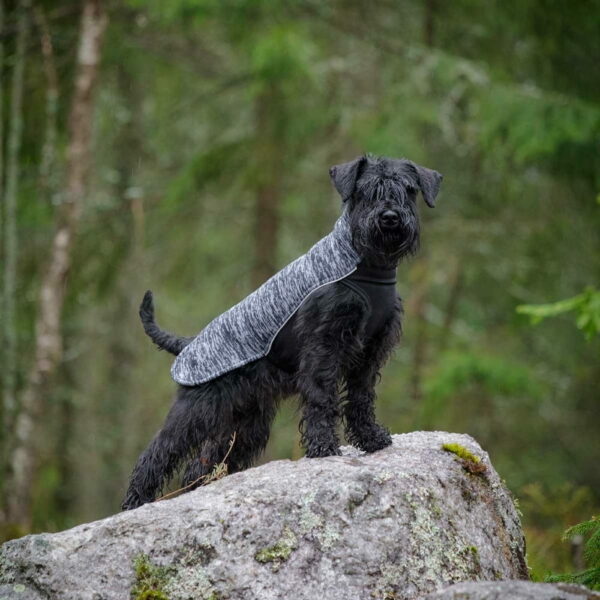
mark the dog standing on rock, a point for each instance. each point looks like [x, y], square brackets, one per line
[322, 328]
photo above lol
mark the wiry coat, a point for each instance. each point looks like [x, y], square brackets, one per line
[338, 363]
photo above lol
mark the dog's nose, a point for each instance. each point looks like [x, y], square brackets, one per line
[389, 218]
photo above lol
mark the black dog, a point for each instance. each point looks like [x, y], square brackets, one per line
[330, 352]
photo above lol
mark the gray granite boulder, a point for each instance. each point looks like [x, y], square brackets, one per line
[514, 590]
[399, 523]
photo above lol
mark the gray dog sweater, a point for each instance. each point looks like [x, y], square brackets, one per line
[246, 331]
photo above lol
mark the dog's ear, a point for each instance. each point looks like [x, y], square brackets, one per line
[344, 177]
[429, 183]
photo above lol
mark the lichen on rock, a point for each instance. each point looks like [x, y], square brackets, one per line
[398, 523]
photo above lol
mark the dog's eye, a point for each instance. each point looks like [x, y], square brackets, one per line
[411, 190]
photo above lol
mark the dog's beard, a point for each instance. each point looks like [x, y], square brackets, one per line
[385, 246]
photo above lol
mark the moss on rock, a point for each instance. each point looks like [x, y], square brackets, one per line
[184, 580]
[461, 452]
[280, 551]
[150, 579]
[471, 462]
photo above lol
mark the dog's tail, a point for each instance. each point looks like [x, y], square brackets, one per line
[163, 339]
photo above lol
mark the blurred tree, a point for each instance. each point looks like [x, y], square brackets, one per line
[48, 345]
[48, 173]
[10, 218]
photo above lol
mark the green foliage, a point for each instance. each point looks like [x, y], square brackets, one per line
[459, 374]
[458, 371]
[204, 168]
[547, 512]
[586, 306]
[528, 125]
[590, 577]
[590, 529]
[280, 54]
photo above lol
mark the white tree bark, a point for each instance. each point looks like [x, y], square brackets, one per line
[48, 343]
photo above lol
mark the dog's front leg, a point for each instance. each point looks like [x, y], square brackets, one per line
[328, 329]
[320, 406]
[362, 429]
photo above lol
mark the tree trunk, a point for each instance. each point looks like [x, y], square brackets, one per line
[48, 343]
[48, 172]
[421, 268]
[430, 7]
[266, 233]
[455, 283]
[418, 318]
[48, 184]
[10, 221]
[268, 190]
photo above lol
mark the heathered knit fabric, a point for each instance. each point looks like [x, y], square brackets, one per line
[246, 331]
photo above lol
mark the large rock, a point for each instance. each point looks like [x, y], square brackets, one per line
[399, 523]
[514, 590]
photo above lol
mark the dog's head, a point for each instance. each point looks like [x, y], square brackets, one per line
[381, 196]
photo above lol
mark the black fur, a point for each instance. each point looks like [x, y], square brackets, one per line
[338, 366]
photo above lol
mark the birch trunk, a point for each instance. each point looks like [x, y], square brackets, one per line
[48, 343]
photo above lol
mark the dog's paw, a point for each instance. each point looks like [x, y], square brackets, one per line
[378, 439]
[323, 451]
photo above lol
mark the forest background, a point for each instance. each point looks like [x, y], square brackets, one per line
[183, 146]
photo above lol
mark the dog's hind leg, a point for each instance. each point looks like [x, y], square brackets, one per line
[245, 403]
[183, 430]
[251, 429]
[252, 434]
[202, 463]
